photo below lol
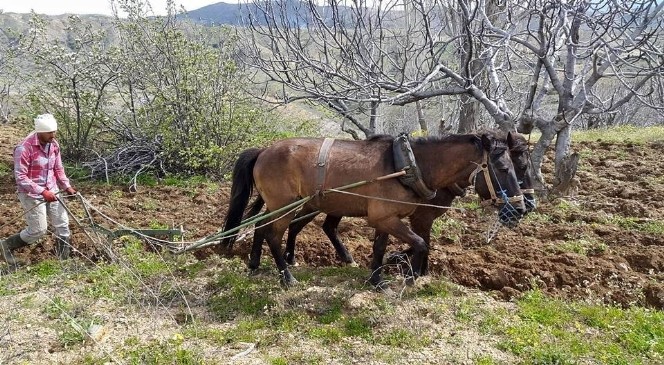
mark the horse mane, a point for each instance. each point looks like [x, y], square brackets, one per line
[380, 137]
[451, 138]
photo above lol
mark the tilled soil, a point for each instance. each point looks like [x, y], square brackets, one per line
[604, 242]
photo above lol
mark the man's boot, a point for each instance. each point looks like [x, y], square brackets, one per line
[8, 245]
[62, 247]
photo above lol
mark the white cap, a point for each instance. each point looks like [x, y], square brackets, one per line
[45, 123]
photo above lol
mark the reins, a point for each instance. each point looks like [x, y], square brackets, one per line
[494, 200]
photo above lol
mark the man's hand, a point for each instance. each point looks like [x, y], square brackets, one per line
[49, 196]
[70, 190]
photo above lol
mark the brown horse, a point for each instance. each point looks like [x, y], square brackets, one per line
[421, 220]
[286, 171]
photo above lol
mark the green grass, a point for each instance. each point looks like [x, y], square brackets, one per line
[5, 169]
[584, 246]
[638, 224]
[433, 288]
[156, 352]
[549, 331]
[46, 270]
[241, 295]
[403, 338]
[622, 134]
[449, 228]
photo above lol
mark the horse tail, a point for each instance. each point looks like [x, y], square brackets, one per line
[241, 190]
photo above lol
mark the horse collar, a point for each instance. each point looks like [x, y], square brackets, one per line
[404, 160]
[321, 165]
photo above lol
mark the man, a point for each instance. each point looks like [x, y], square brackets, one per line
[39, 177]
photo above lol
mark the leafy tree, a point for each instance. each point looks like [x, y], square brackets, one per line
[180, 88]
[73, 81]
[14, 45]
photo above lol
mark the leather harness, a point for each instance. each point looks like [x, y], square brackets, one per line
[321, 165]
[404, 159]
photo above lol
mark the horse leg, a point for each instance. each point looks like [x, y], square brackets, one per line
[257, 246]
[330, 228]
[274, 237]
[379, 246]
[398, 229]
[422, 228]
[293, 230]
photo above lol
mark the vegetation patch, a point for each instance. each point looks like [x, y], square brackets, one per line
[550, 331]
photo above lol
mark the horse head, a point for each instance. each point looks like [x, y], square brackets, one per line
[523, 168]
[496, 182]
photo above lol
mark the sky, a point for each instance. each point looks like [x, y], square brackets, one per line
[56, 7]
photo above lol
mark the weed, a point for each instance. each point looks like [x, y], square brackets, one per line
[483, 360]
[638, 224]
[241, 295]
[55, 307]
[447, 227]
[434, 288]
[71, 334]
[538, 217]
[278, 361]
[146, 264]
[46, 269]
[464, 310]
[403, 338]
[566, 206]
[584, 246]
[358, 327]
[289, 321]
[156, 352]
[332, 313]
[150, 205]
[328, 334]
[115, 195]
[5, 169]
[157, 225]
[105, 281]
[549, 331]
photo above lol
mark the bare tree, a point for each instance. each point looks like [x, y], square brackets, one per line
[352, 59]
[536, 64]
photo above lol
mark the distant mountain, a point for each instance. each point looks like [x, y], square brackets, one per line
[297, 13]
[219, 13]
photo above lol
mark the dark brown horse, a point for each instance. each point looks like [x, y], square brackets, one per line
[421, 220]
[286, 172]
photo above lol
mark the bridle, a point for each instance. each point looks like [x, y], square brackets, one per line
[495, 200]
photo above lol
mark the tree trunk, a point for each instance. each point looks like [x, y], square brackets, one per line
[565, 163]
[467, 115]
[565, 182]
[424, 127]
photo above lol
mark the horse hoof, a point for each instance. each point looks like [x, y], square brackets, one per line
[287, 280]
[352, 263]
[290, 260]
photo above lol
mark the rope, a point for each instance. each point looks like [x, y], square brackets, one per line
[396, 201]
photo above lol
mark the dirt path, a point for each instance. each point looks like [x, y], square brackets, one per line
[605, 243]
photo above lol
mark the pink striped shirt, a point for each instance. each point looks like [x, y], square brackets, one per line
[37, 167]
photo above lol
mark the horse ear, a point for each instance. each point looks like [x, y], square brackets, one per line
[487, 142]
[511, 142]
